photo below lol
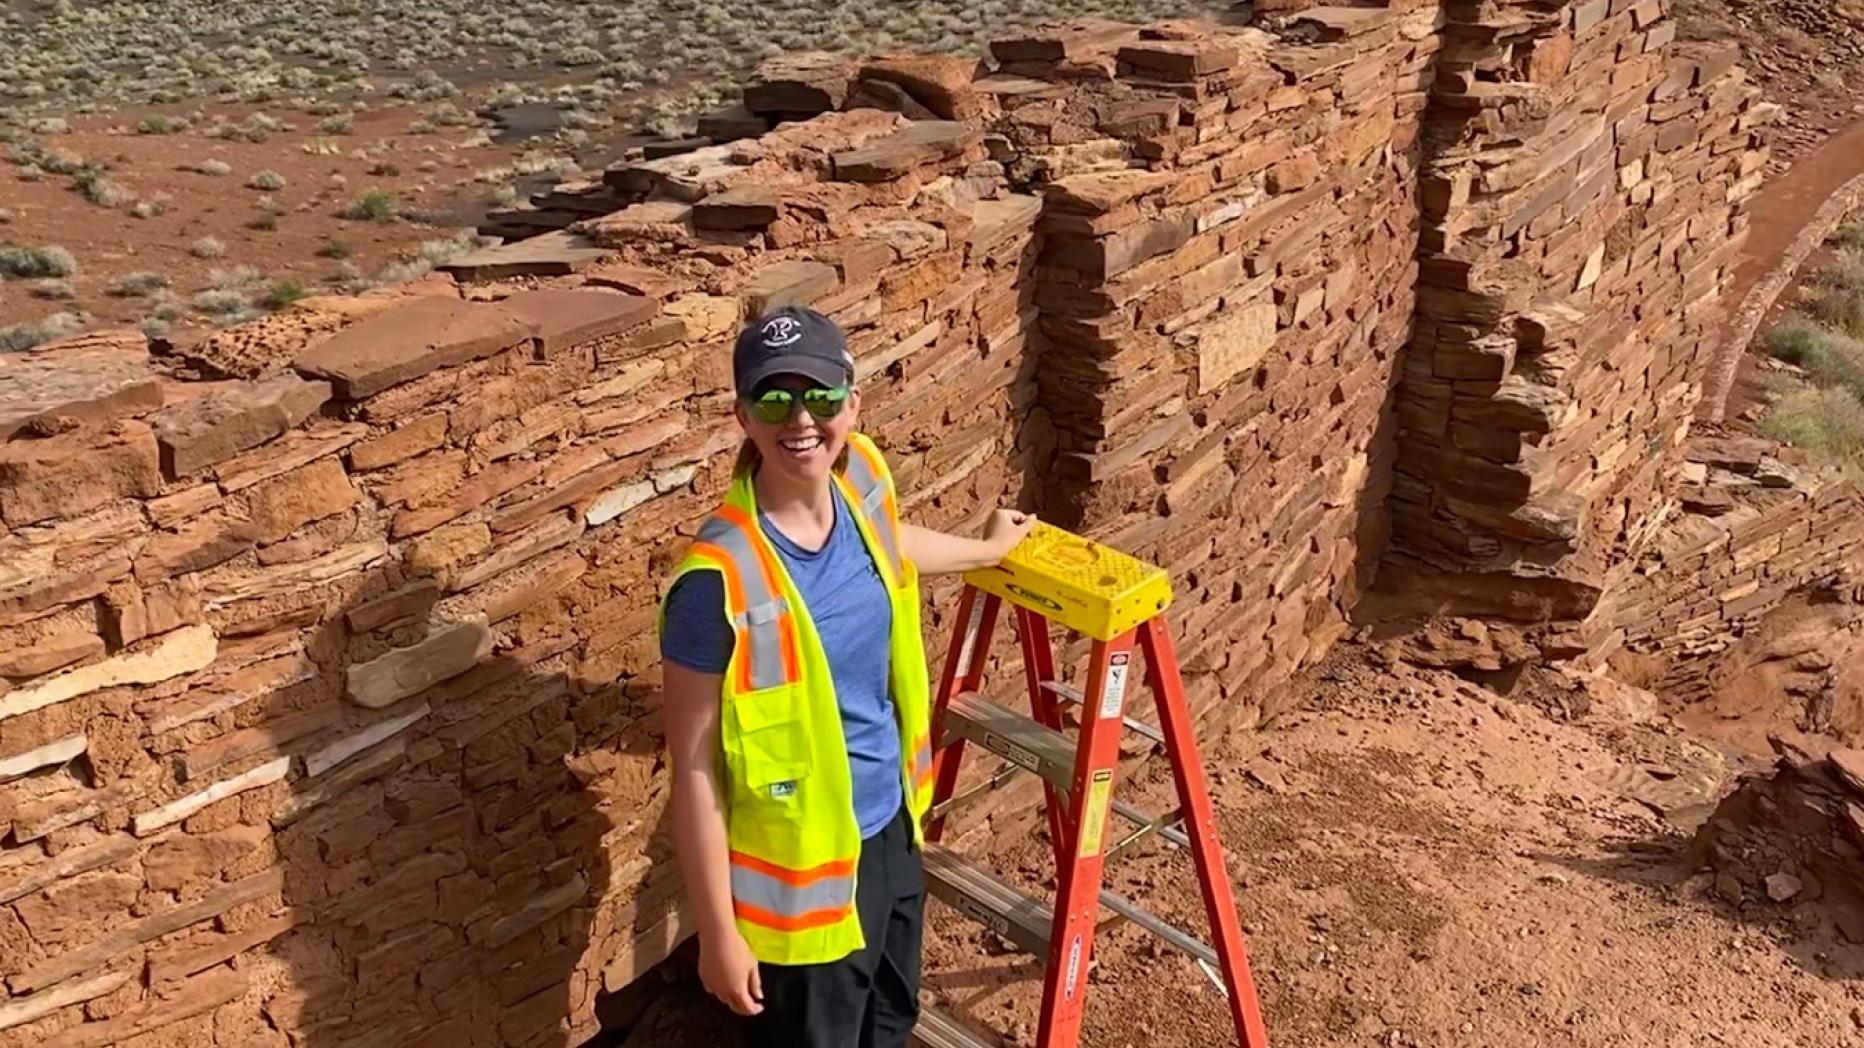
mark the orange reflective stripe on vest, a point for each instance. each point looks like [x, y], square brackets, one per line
[789, 900]
[764, 625]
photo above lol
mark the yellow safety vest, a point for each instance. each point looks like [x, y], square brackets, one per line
[789, 795]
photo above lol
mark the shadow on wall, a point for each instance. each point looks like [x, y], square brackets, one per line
[447, 891]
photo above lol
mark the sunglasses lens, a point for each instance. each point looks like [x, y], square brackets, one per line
[773, 406]
[825, 403]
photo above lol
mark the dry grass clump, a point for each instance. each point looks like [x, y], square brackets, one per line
[377, 205]
[18, 337]
[136, 285]
[207, 248]
[1821, 408]
[26, 263]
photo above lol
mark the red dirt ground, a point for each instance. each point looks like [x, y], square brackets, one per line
[108, 243]
[1421, 863]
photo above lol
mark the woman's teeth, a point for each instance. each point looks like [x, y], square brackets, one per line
[800, 445]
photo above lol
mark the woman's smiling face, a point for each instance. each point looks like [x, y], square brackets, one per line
[802, 446]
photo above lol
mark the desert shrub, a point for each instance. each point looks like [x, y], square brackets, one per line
[29, 262]
[223, 302]
[377, 205]
[341, 124]
[160, 124]
[18, 337]
[265, 218]
[102, 190]
[150, 207]
[1827, 421]
[55, 289]
[136, 285]
[1850, 235]
[268, 181]
[216, 168]
[282, 293]
[207, 247]
[1839, 301]
[335, 248]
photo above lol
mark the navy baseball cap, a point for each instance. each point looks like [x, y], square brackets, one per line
[793, 340]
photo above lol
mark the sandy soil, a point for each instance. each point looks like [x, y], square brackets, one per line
[1422, 863]
[437, 178]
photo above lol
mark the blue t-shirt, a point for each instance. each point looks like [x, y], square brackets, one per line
[848, 602]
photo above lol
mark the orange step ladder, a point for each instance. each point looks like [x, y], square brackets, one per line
[1119, 602]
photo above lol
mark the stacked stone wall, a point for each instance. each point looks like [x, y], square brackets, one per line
[1584, 190]
[1749, 535]
[328, 682]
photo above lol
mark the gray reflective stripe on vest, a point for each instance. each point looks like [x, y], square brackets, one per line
[873, 492]
[923, 759]
[789, 900]
[763, 609]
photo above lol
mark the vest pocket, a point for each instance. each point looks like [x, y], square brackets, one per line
[773, 739]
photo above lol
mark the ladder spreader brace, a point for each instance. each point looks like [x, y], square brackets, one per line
[1118, 602]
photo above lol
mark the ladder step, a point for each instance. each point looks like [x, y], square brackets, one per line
[1025, 921]
[1164, 826]
[938, 1030]
[1012, 736]
[1072, 696]
[988, 900]
[1184, 942]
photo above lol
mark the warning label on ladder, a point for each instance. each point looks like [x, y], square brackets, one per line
[1116, 686]
[1094, 816]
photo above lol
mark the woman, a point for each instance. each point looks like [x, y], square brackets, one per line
[796, 707]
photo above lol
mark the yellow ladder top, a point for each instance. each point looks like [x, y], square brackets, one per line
[1088, 587]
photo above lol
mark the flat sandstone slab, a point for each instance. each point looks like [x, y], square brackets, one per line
[411, 340]
[92, 380]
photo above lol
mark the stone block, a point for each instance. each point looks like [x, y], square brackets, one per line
[410, 340]
[798, 282]
[281, 505]
[732, 123]
[213, 428]
[549, 255]
[146, 823]
[799, 85]
[910, 148]
[1179, 61]
[404, 672]
[567, 318]
[941, 83]
[171, 655]
[412, 438]
[49, 755]
[749, 207]
[60, 477]
[1100, 192]
[54, 652]
[95, 379]
[1234, 341]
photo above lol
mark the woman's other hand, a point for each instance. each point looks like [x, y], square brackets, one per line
[729, 971]
[1006, 528]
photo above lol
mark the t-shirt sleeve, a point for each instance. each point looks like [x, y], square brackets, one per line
[697, 635]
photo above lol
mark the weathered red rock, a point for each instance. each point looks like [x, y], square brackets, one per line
[69, 474]
[211, 429]
[910, 147]
[94, 379]
[411, 340]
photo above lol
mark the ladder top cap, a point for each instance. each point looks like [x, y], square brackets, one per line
[1093, 589]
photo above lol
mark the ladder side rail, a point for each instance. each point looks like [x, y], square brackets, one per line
[1201, 824]
[964, 671]
[1039, 666]
[1077, 896]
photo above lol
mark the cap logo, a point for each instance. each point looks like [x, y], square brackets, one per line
[782, 331]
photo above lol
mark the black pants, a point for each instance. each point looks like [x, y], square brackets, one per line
[869, 999]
